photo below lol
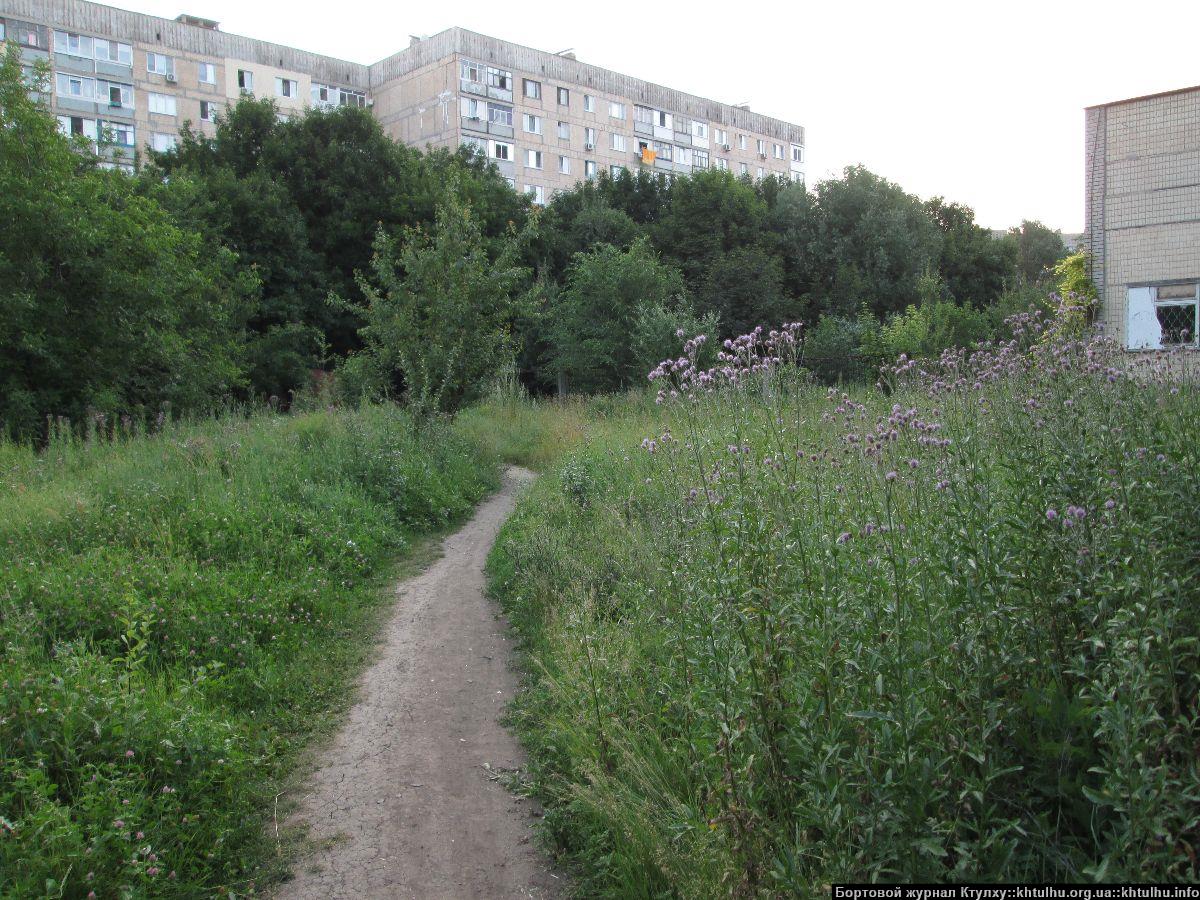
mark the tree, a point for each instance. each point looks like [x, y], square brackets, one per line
[873, 243]
[106, 304]
[593, 323]
[973, 264]
[1038, 248]
[438, 311]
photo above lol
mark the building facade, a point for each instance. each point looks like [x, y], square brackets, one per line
[128, 81]
[1142, 228]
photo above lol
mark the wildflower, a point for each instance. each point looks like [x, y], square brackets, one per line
[129, 754]
[843, 537]
[118, 823]
[1110, 504]
[912, 463]
[153, 870]
[140, 835]
[891, 476]
[1051, 514]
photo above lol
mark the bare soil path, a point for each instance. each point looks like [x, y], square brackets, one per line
[404, 802]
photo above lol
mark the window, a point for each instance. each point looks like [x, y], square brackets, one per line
[320, 93]
[683, 155]
[1178, 310]
[533, 124]
[500, 115]
[615, 170]
[533, 89]
[471, 71]
[589, 103]
[112, 51]
[564, 165]
[618, 142]
[120, 134]
[72, 44]
[589, 168]
[351, 98]
[533, 159]
[564, 131]
[472, 109]
[643, 114]
[501, 150]
[245, 80]
[616, 110]
[564, 97]
[589, 138]
[700, 130]
[77, 125]
[119, 95]
[779, 151]
[700, 159]
[162, 143]
[761, 146]
[798, 177]
[160, 64]
[759, 174]
[476, 145]
[743, 169]
[511, 182]
[208, 111]
[537, 192]
[662, 119]
[664, 151]
[286, 87]
[797, 153]
[75, 86]
[721, 136]
[722, 163]
[206, 73]
[499, 79]
[162, 104]
[741, 142]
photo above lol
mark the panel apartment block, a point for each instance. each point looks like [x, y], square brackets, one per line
[1142, 159]
[128, 80]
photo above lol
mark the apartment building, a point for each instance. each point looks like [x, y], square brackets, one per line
[127, 81]
[1142, 229]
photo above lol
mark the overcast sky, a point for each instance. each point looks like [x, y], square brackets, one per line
[980, 103]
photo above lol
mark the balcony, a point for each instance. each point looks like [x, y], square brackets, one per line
[499, 129]
[643, 128]
[474, 123]
[472, 87]
[500, 93]
[684, 139]
[78, 64]
[115, 69]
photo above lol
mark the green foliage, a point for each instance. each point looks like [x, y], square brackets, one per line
[875, 242]
[927, 329]
[438, 311]
[771, 653]
[181, 612]
[107, 305]
[301, 201]
[657, 328]
[605, 293]
[1038, 248]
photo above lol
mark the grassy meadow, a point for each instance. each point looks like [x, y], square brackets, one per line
[780, 636]
[179, 613]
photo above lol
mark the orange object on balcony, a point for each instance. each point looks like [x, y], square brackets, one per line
[648, 156]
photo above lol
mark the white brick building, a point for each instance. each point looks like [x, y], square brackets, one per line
[1142, 224]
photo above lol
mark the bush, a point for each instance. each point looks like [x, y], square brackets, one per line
[803, 638]
[180, 612]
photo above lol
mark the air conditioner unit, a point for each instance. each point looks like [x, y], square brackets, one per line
[589, 146]
[726, 147]
[171, 78]
[762, 156]
[473, 118]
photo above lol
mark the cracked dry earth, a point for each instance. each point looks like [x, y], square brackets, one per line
[405, 803]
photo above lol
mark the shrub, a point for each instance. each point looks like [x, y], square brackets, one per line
[180, 612]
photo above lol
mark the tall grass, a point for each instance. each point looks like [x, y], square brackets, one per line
[946, 629]
[179, 613]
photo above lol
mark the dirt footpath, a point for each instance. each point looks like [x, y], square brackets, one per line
[405, 790]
